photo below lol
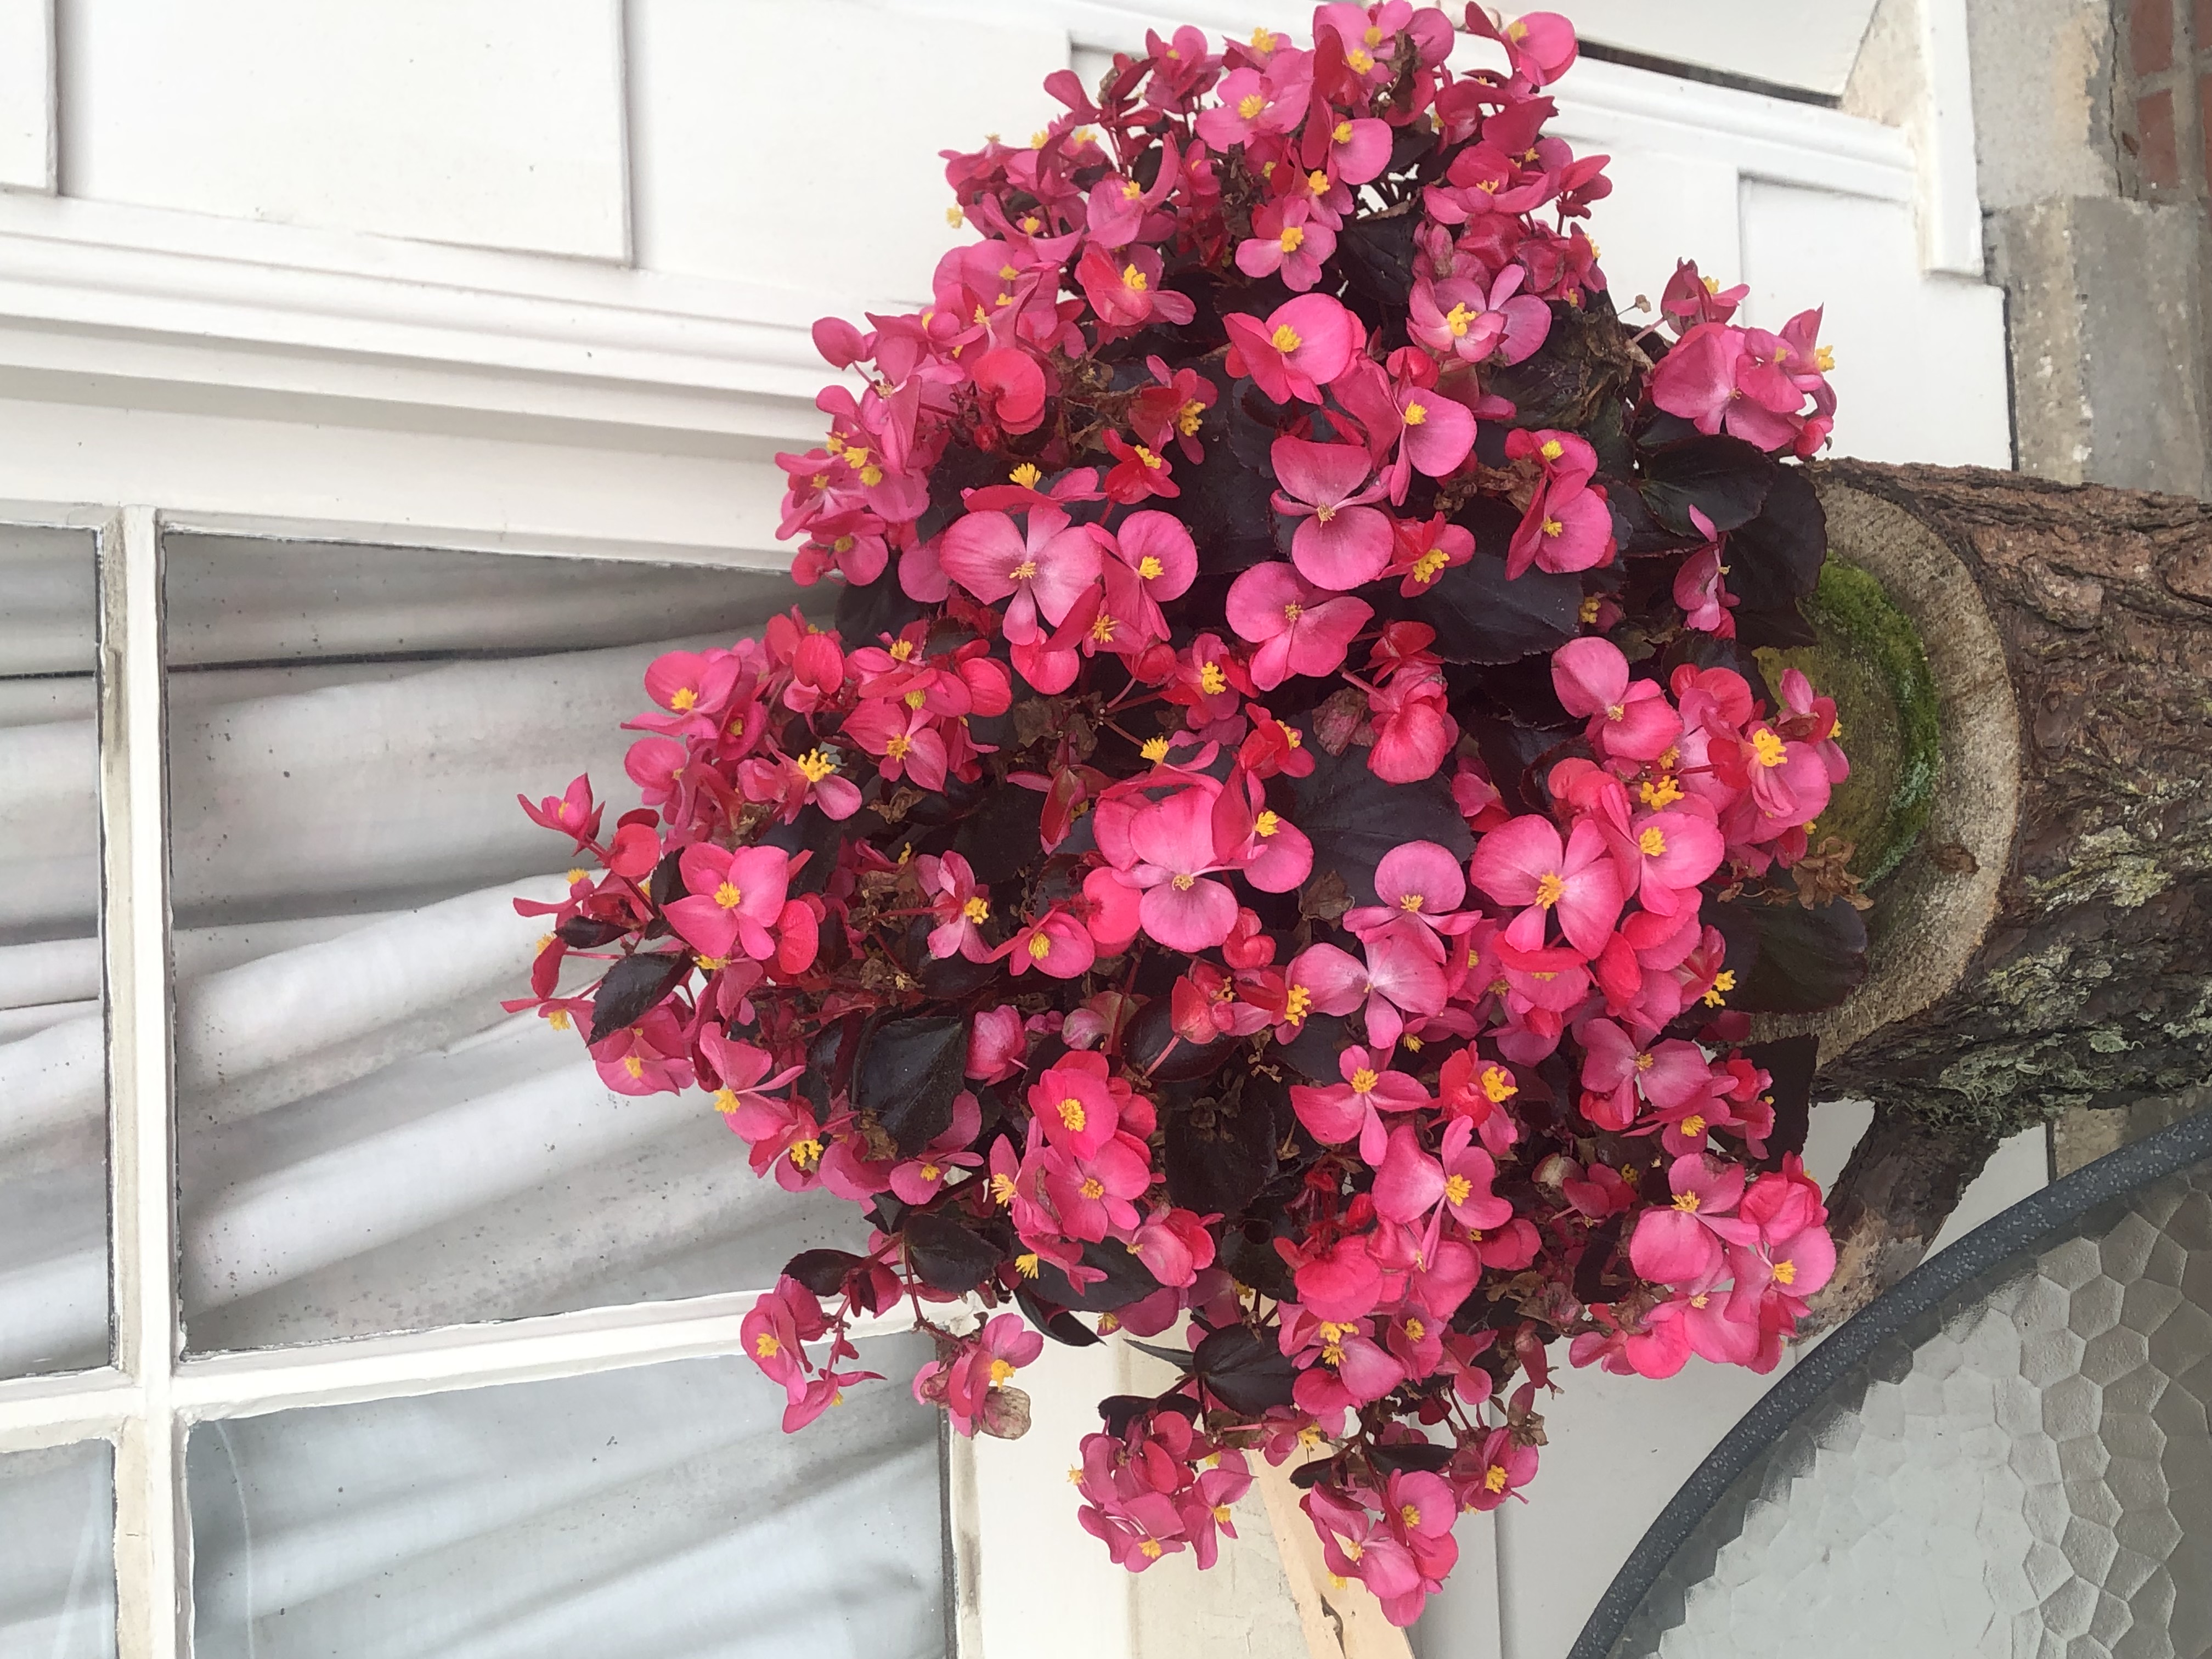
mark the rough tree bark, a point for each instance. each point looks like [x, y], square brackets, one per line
[2047, 941]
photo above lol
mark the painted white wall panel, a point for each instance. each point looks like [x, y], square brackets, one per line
[1808, 44]
[750, 167]
[1920, 360]
[496, 123]
[26, 94]
[1791, 43]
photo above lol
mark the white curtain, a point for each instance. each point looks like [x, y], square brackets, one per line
[651, 1514]
[366, 1143]
[57, 1552]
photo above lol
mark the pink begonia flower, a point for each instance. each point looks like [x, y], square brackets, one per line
[1616, 1073]
[1175, 1245]
[774, 1332]
[1681, 1245]
[1057, 945]
[1207, 1507]
[1469, 1170]
[1171, 410]
[1456, 317]
[572, 812]
[1286, 237]
[649, 1056]
[959, 906]
[1404, 976]
[1091, 1193]
[1159, 549]
[811, 780]
[996, 1043]
[1353, 1547]
[1359, 150]
[1414, 732]
[1409, 1184]
[1784, 1202]
[1340, 1282]
[1010, 386]
[841, 344]
[1542, 44]
[1630, 719]
[780, 1132]
[1565, 457]
[1717, 377]
[1125, 291]
[1339, 1111]
[1416, 880]
[1658, 1345]
[1143, 1530]
[733, 899]
[827, 1389]
[1568, 527]
[1303, 345]
[987, 1361]
[1153, 559]
[1340, 542]
[1474, 1091]
[1137, 474]
[1438, 431]
[1117, 912]
[1780, 1275]
[1673, 852]
[1321, 979]
[1691, 298]
[1800, 703]
[1043, 571]
[1174, 840]
[1425, 551]
[1116, 209]
[1499, 1467]
[696, 687]
[1523, 862]
[1355, 1370]
[1250, 103]
[906, 742]
[1272, 853]
[1703, 598]
[1299, 628]
[1073, 1107]
[917, 1179]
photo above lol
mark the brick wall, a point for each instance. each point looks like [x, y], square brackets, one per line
[2162, 91]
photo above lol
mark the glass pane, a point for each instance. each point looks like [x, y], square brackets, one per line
[2018, 1463]
[366, 1141]
[53, 1061]
[646, 1514]
[57, 1552]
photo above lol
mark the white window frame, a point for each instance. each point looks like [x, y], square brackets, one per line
[147, 1400]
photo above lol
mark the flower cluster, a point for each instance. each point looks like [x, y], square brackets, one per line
[1285, 835]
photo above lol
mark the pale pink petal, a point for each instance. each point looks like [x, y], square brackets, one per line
[1195, 918]
[1510, 859]
[1161, 536]
[1347, 550]
[1670, 1247]
[979, 551]
[1409, 1183]
[1322, 635]
[1590, 674]
[1321, 475]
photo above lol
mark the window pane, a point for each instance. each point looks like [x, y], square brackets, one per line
[53, 1061]
[366, 1141]
[58, 1561]
[646, 1514]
